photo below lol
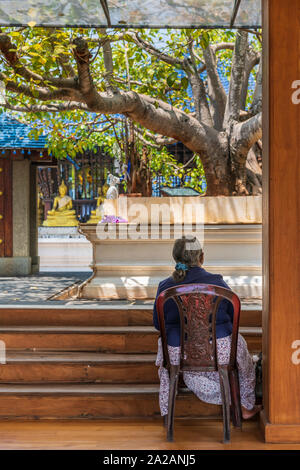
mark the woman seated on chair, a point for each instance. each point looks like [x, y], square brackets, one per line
[188, 255]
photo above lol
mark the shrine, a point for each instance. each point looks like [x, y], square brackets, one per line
[88, 349]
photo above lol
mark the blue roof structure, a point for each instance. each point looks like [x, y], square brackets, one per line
[14, 134]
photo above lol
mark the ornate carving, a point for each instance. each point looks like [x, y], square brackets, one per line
[198, 305]
[198, 335]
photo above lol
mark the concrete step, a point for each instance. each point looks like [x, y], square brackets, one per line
[78, 367]
[75, 401]
[126, 339]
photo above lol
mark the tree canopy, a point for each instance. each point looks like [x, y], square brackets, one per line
[87, 86]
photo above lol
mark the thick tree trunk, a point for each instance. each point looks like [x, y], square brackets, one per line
[226, 177]
[218, 174]
[140, 181]
[216, 187]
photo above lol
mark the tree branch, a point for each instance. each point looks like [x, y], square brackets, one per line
[109, 66]
[159, 141]
[9, 52]
[147, 142]
[216, 90]
[183, 166]
[86, 84]
[222, 46]
[66, 65]
[133, 82]
[245, 134]
[50, 108]
[256, 105]
[237, 73]
[100, 131]
[41, 93]
[252, 59]
[154, 51]
[198, 89]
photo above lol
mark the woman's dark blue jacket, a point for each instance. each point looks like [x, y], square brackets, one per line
[172, 321]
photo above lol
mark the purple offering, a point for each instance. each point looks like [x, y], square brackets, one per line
[112, 219]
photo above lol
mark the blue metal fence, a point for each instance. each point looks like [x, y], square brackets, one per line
[174, 182]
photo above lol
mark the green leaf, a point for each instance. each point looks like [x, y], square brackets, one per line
[204, 42]
[184, 83]
[171, 79]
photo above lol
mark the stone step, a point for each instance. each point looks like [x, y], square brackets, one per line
[91, 401]
[126, 339]
[105, 314]
[80, 367]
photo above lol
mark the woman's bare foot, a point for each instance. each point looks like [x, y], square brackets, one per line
[247, 414]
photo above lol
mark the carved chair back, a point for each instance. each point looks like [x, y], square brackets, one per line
[198, 306]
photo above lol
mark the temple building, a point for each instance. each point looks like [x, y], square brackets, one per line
[19, 158]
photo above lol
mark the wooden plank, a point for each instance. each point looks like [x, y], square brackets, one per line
[93, 402]
[113, 343]
[107, 316]
[265, 201]
[65, 316]
[101, 339]
[279, 433]
[142, 433]
[79, 372]
[282, 218]
[79, 367]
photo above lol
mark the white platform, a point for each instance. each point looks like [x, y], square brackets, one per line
[231, 250]
[126, 268]
[65, 254]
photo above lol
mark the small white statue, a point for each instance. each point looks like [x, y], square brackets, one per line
[112, 192]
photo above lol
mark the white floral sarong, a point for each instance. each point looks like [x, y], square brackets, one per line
[206, 385]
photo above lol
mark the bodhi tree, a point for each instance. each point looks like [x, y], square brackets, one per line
[165, 86]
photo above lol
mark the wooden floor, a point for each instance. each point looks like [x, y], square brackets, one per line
[130, 434]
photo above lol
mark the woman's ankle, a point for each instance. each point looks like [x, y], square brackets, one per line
[247, 414]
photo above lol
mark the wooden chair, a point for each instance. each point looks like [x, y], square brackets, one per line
[197, 305]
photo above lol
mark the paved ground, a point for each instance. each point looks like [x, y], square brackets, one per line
[37, 289]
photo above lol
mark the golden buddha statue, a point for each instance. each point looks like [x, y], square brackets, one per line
[98, 214]
[40, 206]
[62, 214]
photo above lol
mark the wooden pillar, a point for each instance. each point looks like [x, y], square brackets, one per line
[281, 215]
[6, 224]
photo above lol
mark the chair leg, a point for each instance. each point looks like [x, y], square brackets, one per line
[235, 398]
[225, 391]
[174, 372]
[165, 418]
